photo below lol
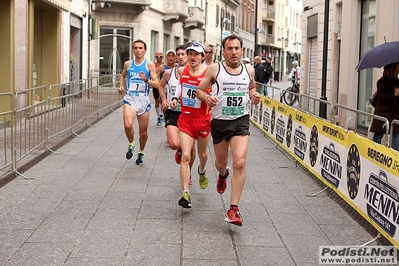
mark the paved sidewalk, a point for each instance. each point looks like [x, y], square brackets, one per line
[88, 205]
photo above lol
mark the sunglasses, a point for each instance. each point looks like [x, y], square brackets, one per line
[158, 56]
[194, 44]
[208, 52]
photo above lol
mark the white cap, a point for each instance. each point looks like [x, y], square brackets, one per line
[246, 59]
[196, 46]
[170, 51]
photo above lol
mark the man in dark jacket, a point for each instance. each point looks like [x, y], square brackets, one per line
[259, 70]
[269, 69]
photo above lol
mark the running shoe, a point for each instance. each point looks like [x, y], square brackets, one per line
[161, 118]
[140, 158]
[159, 121]
[233, 216]
[203, 179]
[178, 156]
[130, 151]
[221, 183]
[185, 200]
[191, 181]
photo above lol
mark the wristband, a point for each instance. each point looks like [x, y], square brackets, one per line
[174, 98]
[146, 80]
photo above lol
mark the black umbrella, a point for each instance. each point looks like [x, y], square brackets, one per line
[379, 56]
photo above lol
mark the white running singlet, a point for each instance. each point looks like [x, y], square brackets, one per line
[171, 86]
[232, 92]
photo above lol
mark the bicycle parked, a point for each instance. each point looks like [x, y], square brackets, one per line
[290, 95]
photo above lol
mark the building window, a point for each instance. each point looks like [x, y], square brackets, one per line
[166, 42]
[367, 36]
[154, 43]
[270, 29]
[217, 15]
[177, 41]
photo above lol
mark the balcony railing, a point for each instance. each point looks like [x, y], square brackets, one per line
[177, 10]
[268, 14]
[196, 17]
[232, 3]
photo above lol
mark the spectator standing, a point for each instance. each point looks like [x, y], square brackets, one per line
[387, 104]
[269, 70]
[259, 70]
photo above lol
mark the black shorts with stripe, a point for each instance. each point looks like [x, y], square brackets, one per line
[225, 129]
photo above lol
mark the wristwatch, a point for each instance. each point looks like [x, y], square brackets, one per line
[146, 80]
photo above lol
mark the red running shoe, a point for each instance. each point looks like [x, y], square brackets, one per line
[178, 156]
[221, 183]
[191, 180]
[233, 216]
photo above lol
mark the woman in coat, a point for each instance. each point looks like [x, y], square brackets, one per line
[387, 104]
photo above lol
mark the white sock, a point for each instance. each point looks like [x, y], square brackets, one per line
[158, 110]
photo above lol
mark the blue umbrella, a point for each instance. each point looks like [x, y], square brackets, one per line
[379, 56]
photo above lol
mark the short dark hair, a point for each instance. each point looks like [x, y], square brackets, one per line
[231, 38]
[181, 47]
[140, 41]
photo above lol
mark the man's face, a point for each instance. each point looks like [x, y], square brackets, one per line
[170, 58]
[194, 58]
[232, 51]
[138, 50]
[181, 57]
[208, 53]
[269, 60]
[158, 57]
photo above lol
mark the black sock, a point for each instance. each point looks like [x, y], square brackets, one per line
[225, 176]
[232, 206]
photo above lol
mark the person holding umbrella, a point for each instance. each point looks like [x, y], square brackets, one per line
[387, 104]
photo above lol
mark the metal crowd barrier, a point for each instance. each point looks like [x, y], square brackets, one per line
[42, 117]
[394, 122]
[6, 122]
[270, 91]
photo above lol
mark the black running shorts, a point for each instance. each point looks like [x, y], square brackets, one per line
[225, 129]
[155, 93]
[171, 117]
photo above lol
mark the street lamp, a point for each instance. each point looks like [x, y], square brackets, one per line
[282, 39]
[297, 46]
[223, 21]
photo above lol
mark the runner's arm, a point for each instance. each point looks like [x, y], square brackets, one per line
[161, 88]
[210, 76]
[122, 77]
[253, 95]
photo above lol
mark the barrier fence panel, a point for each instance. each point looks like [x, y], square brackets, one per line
[267, 90]
[358, 112]
[363, 173]
[7, 136]
[59, 119]
[394, 122]
[314, 101]
[30, 124]
[37, 117]
[108, 95]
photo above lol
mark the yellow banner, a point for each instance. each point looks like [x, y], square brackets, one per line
[363, 173]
